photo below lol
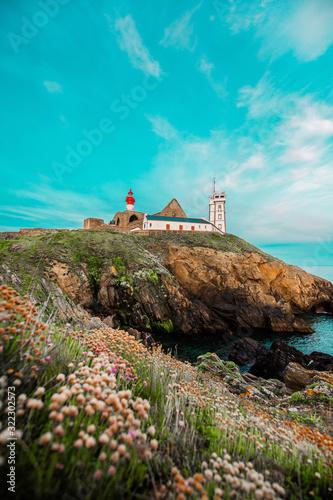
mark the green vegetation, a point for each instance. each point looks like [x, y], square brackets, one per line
[297, 397]
[99, 416]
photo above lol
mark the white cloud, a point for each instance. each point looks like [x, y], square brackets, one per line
[303, 27]
[53, 87]
[130, 41]
[179, 33]
[68, 208]
[162, 127]
[264, 99]
[279, 187]
[205, 67]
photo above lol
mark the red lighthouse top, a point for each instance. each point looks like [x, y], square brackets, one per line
[129, 199]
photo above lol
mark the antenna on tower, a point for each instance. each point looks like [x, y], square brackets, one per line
[213, 185]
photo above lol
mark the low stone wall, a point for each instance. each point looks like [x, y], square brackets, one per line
[34, 231]
[107, 227]
[173, 231]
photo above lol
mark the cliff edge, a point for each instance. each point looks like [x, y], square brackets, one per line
[192, 284]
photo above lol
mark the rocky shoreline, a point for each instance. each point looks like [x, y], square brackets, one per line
[180, 284]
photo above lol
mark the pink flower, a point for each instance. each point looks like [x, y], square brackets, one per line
[181, 423]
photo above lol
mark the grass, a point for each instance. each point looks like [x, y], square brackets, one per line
[100, 416]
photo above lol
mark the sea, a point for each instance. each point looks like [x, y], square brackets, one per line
[315, 258]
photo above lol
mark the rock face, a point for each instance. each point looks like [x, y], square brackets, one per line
[273, 363]
[147, 283]
[297, 378]
[249, 291]
[245, 351]
[320, 361]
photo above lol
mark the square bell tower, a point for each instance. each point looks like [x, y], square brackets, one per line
[217, 210]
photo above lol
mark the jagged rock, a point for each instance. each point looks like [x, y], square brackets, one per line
[250, 290]
[245, 351]
[297, 377]
[320, 361]
[111, 321]
[145, 337]
[94, 323]
[272, 364]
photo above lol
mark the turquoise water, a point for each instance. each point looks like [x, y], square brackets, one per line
[189, 347]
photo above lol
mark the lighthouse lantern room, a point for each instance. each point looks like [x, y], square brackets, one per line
[130, 201]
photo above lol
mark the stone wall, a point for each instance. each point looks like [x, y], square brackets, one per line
[33, 231]
[164, 231]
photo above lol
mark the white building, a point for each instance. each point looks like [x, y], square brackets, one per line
[217, 210]
[160, 223]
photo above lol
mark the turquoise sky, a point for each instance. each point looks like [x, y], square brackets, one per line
[100, 96]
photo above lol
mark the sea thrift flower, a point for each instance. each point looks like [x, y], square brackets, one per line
[91, 429]
[98, 475]
[45, 439]
[61, 377]
[90, 442]
[151, 430]
[103, 438]
[78, 443]
[40, 391]
[59, 431]
[208, 474]
[111, 471]
[154, 444]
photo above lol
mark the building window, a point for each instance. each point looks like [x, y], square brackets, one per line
[219, 216]
[149, 224]
[199, 226]
[192, 228]
[205, 227]
[220, 226]
[219, 208]
[180, 228]
[168, 227]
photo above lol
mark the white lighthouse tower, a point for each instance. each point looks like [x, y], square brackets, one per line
[217, 209]
[130, 201]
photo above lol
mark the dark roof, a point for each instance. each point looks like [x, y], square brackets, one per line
[178, 219]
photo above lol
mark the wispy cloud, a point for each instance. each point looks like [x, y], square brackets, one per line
[130, 41]
[162, 127]
[36, 204]
[53, 87]
[205, 67]
[303, 28]
[179, 33]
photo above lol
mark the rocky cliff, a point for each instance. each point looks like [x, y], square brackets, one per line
[188, 284]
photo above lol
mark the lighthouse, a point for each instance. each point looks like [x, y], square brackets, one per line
[130, 201]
